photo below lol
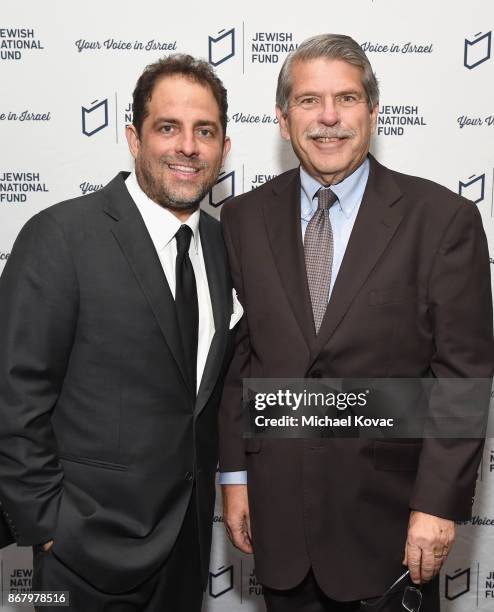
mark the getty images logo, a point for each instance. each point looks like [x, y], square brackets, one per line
[473, 188]
[222, 47]
[94, 118]
[221, 582]
[223, 190]
[477, 50]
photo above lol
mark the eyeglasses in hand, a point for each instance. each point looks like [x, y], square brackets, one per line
[411, 600]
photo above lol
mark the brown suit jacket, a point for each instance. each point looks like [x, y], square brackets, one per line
[412, 299]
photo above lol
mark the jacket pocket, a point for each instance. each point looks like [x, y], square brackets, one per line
[97, 463]
[394, 295]
[396, 456]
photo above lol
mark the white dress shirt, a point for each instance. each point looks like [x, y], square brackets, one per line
[162, 226]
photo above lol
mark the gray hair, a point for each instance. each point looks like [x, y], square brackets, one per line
[331, 47]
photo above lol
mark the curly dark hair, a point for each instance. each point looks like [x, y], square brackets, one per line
[181, 64]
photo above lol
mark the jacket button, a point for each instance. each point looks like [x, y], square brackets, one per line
[315, 374]
[189, 476]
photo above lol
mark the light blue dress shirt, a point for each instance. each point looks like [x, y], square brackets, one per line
[342, 216]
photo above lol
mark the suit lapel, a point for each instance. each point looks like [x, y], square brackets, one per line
[221, 301]
[282, 218]
[138, 248]
[375, 225]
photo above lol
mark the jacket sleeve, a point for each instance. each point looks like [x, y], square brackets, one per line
[231, 414]
[460, 306]
[38, 310]
[6, 536]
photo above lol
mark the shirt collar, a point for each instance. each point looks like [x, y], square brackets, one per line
[161, 224]
[345, 191]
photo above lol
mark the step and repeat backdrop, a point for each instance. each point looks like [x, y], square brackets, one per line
[67, 71]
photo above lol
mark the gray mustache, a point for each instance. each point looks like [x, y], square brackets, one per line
[330, 133]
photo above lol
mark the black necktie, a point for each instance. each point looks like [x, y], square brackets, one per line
[186, 302]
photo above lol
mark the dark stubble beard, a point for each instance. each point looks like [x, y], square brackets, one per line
[154, 187]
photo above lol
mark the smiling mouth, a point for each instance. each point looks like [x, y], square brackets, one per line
[326, 140]
[184, 169]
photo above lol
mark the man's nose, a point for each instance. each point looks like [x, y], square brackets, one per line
[329, 113]
[187, 143]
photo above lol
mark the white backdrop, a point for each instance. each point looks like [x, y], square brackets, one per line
[67, 71]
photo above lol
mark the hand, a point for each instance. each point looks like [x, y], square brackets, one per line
[47, 546]
[236, 516]
[429, 541]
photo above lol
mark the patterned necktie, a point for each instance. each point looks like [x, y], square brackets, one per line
[186, 302]
[318, 248]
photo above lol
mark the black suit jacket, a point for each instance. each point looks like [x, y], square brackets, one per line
[102, 439]
[412, 299]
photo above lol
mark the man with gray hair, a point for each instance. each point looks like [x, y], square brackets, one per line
[347, 269]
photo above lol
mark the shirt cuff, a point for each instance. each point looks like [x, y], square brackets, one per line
[227, 478]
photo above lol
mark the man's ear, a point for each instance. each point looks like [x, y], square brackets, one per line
[282, 120]
[227, 145]
[132, 140]
[373, 116]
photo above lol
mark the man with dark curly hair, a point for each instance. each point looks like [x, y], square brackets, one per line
[114, 316]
